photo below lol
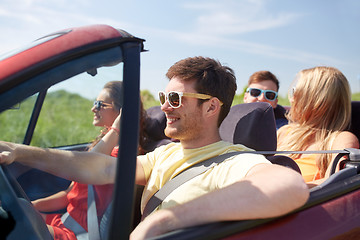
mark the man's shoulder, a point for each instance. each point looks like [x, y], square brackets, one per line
[280, 112]
[281, 122]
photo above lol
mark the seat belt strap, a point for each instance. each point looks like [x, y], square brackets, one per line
[183, 177]
[92, 219]
[72, 224]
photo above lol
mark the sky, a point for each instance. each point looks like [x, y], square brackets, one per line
[281, 36]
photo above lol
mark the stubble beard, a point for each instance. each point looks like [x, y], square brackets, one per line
[188, 130]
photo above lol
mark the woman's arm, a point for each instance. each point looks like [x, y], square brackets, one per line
[54, 202]
[344, 140]
[110, 140]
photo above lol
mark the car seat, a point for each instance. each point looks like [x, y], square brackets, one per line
[280, 116]
[355, 118]
[250, 124]
[154, 127]
[280, 112]
[253, 125]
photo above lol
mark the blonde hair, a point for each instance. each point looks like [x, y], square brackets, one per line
[320, 110]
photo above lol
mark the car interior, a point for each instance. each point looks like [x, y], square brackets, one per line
[251, 124]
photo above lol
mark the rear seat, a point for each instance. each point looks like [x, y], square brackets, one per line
[355, 118]
[154, 127]
[250, 124]
[253, 125]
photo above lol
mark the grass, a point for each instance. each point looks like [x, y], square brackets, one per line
[65, 119]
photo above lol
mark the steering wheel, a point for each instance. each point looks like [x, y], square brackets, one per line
[14, 183]
[29, 223]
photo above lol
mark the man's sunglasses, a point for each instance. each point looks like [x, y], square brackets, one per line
[268, 94]
[99, 104]
[174, 98]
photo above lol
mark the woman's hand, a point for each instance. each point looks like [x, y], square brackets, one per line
[116, 123]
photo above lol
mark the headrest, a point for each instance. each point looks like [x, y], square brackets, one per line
[151, 144]
[251, 124]
[355, 118]
[155, 123]
[154, 127]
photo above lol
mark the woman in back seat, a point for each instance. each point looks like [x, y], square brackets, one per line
[320, 113]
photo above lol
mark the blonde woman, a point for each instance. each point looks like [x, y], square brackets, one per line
[318, 119]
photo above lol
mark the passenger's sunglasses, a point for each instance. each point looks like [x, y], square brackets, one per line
[256, 92]
[174, 98]
[99, 104]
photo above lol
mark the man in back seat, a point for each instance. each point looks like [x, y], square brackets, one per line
[196, 100]
[263, 86]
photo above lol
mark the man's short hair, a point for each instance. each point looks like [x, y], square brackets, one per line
[211, 78]
[260, 76]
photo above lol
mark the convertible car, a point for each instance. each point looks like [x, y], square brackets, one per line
[74, 56]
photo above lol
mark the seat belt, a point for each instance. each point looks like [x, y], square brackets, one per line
[203, 166]
[93, 232]
[183, 177]
[92, 218]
